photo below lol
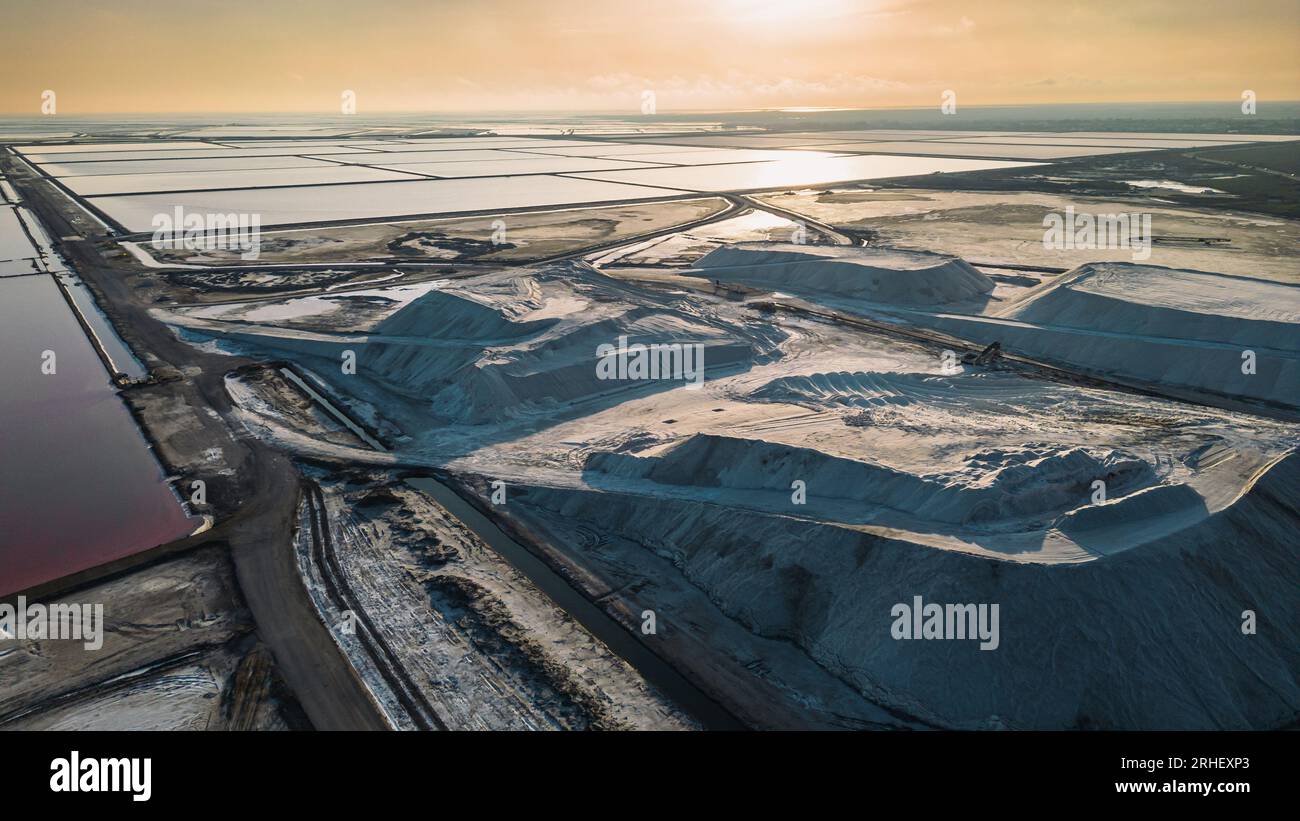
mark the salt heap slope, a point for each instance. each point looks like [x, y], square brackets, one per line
[444, 315]
[549, 371]
[1000, 485]
[1149, 637]
[1163, 326]
[876, 275]
[1148, 300]
[507, 345]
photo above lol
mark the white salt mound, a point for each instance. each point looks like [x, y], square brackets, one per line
[1148, 300]
[1162, 326]
[443, 315]
[470, 362]
[996, 485]
[557, 369]
[869, 389]
[1146, 639]
[878, 275]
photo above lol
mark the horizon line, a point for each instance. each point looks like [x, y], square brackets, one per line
[629, 113]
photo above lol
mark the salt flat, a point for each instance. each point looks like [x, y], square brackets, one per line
[458, 155]
[91, 186]
[612, 149]
[1176, 135]
[451, 144]
[198, 153]
[78, 169]
[746, 141]
[217, 132]
[303, 143]
[946, 148]
[1008, 227]
[922, 133]
[82, 148]
[283, 206]
[812, 138]
[819, 139]
[14, 244]
[757, 176]
[519, 165]
[1116, 141]
[722, 155]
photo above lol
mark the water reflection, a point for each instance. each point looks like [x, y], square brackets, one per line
[78, 483]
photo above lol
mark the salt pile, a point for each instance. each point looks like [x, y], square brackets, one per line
[1147, 638]
[1147, 300]
[444, 315]
[558, 368]
[880, 275]
[1223, 335]
[868, 389]
[995, 485]
[514, 346]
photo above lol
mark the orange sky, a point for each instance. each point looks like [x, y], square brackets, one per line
[110, 56]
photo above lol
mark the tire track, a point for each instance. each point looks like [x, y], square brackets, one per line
[386, 661]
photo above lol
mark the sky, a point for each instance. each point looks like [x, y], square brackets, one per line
[300, 56]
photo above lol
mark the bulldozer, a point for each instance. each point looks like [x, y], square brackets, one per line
[985, 357]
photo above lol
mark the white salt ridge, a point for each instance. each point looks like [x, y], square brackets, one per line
[1209, 367]
[1109, 526]
[996, 486]
[886, 276]
[559, 368]
[1149, 300]
[445, 315]
[479, 359]
[1170, 327]
[1149, 639]
[396, 298]
[866, 389]
[1172, 185]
